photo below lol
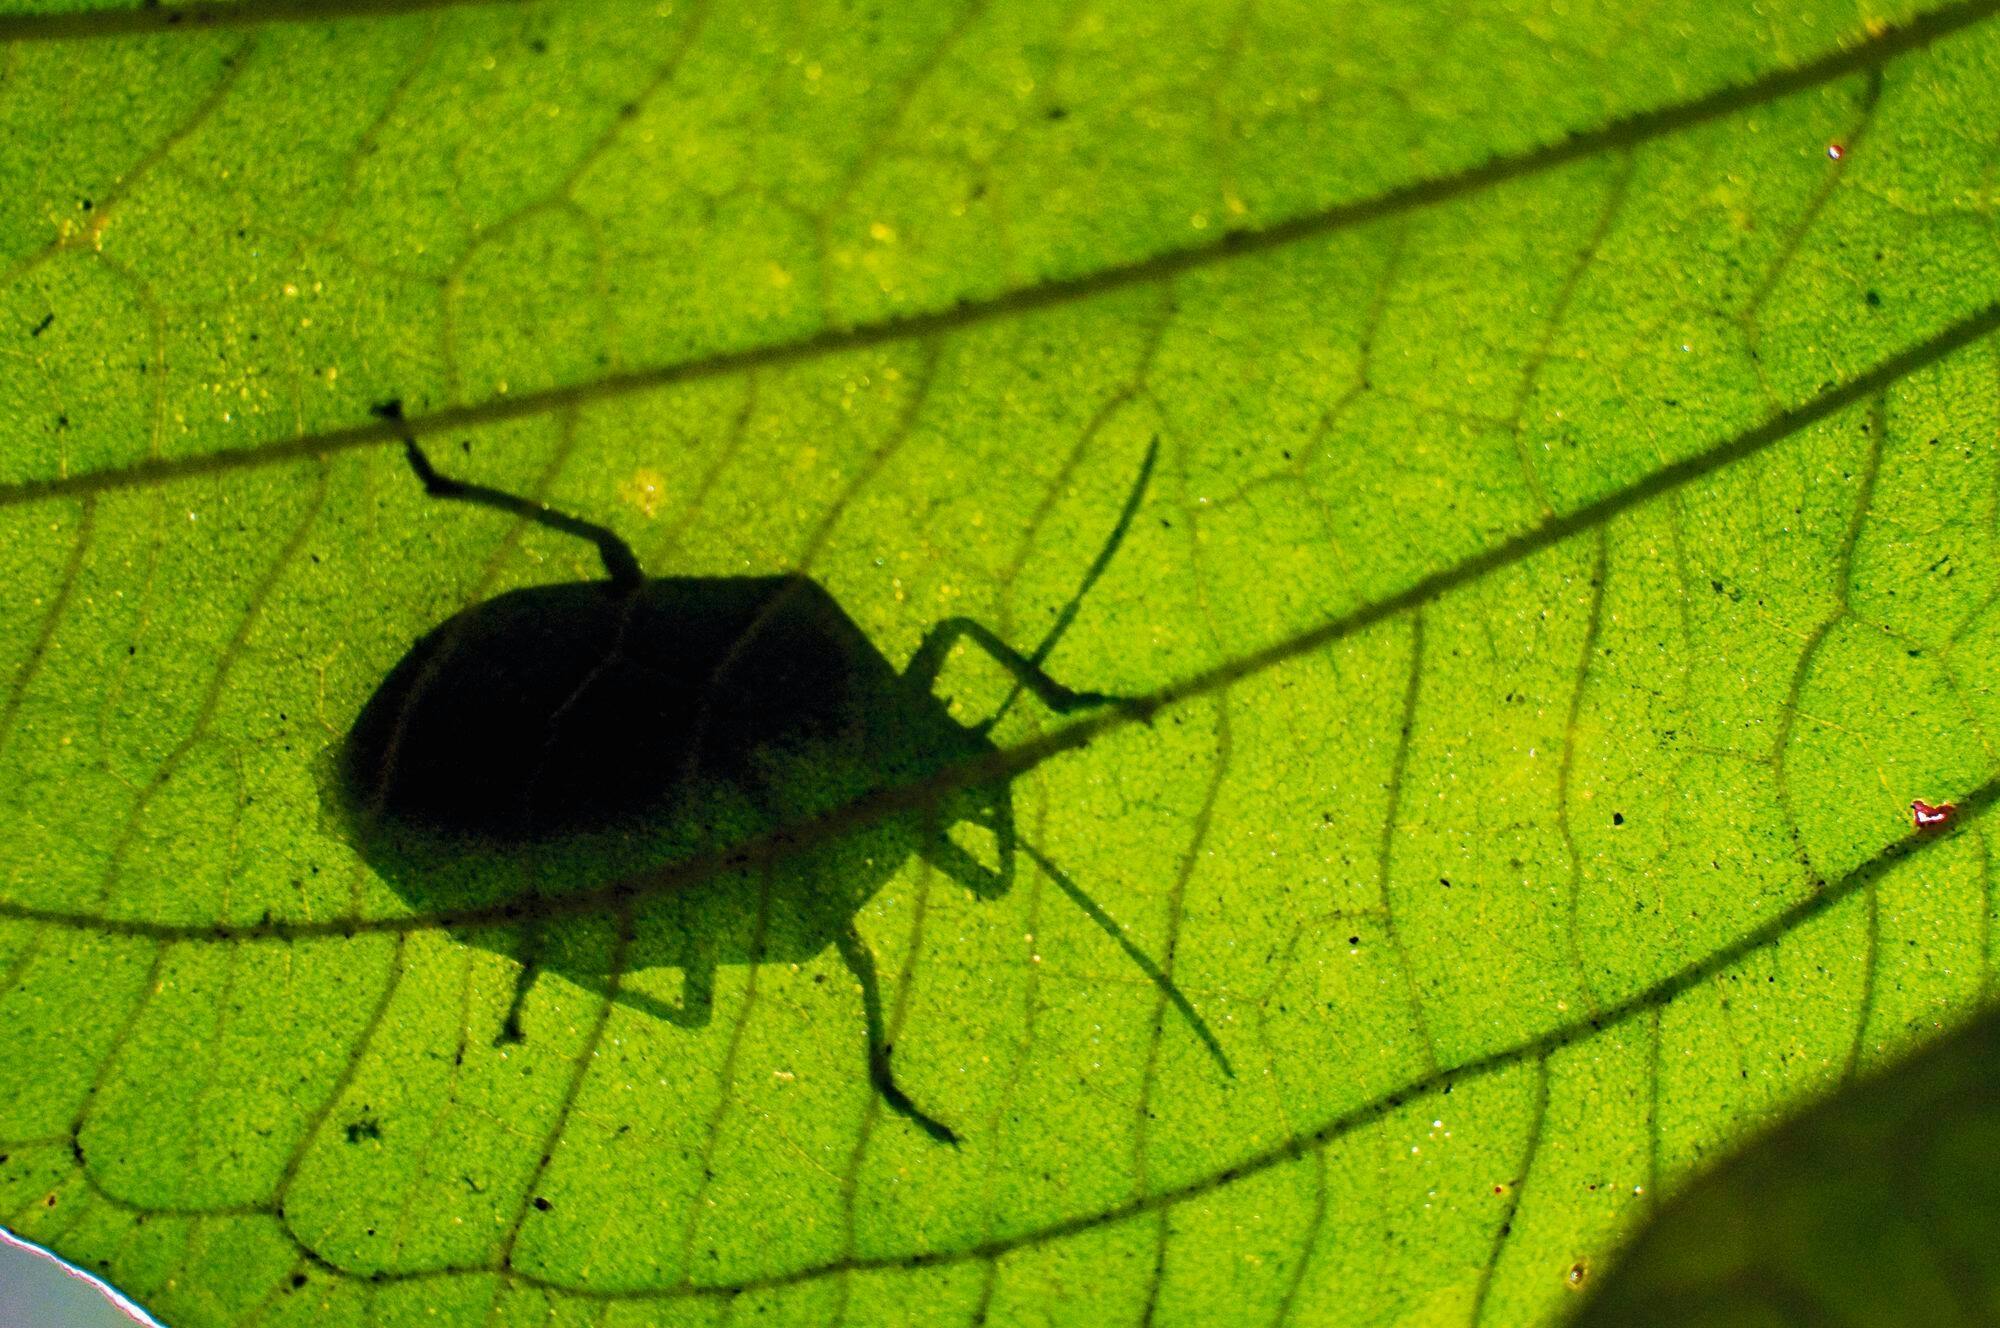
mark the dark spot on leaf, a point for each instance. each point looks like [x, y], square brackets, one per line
[1618, 818]
[365, 1128]
[1057, 113]
[542, 1205]
[1874, 299]
[42, 326]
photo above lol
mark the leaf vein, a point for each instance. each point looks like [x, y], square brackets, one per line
[1617, 135]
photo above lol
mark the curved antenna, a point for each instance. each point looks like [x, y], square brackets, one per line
[620, 564]
[1110, 927]
[1096, 569]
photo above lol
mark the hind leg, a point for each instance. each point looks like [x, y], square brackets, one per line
[861, 963]
[530, 957]
[510, 1025]
[697, 990]
[697, 995]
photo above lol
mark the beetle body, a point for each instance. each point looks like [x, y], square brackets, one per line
[551, 739]
[572, 708]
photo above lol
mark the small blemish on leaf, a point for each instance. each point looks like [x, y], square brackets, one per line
[365, 1128]
[1931, 817]
[1574, 1278]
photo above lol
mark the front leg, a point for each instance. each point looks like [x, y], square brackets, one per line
[925, 665]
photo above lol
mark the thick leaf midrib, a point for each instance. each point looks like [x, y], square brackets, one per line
[1014, 762]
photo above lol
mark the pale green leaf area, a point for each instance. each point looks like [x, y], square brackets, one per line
[1876, 1207]
[1572, 546]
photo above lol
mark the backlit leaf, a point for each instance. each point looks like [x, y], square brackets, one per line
[1571, 549]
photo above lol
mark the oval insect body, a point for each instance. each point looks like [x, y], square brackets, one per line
[562, 709]
[556, 738]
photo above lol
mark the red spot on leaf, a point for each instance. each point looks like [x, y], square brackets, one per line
[1928, 817]
[1836, 150]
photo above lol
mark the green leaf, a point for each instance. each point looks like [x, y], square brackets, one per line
[1877, 1206]
[1572, 547]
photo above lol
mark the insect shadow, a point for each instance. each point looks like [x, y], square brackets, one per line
[550, 739]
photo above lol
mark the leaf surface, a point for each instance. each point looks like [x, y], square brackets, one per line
[1572, 547]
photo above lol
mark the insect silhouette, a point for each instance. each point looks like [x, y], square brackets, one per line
[549, 739]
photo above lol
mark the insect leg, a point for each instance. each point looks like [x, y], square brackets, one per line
[929, 660]
[968, 871]
[1068, 613]
[523, 981]
[697, 996]
[1110, 927]
[619, 561]
[861, 963]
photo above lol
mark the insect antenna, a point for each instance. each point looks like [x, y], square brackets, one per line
[1096, 569]
[1110, 927]
[619, 561]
